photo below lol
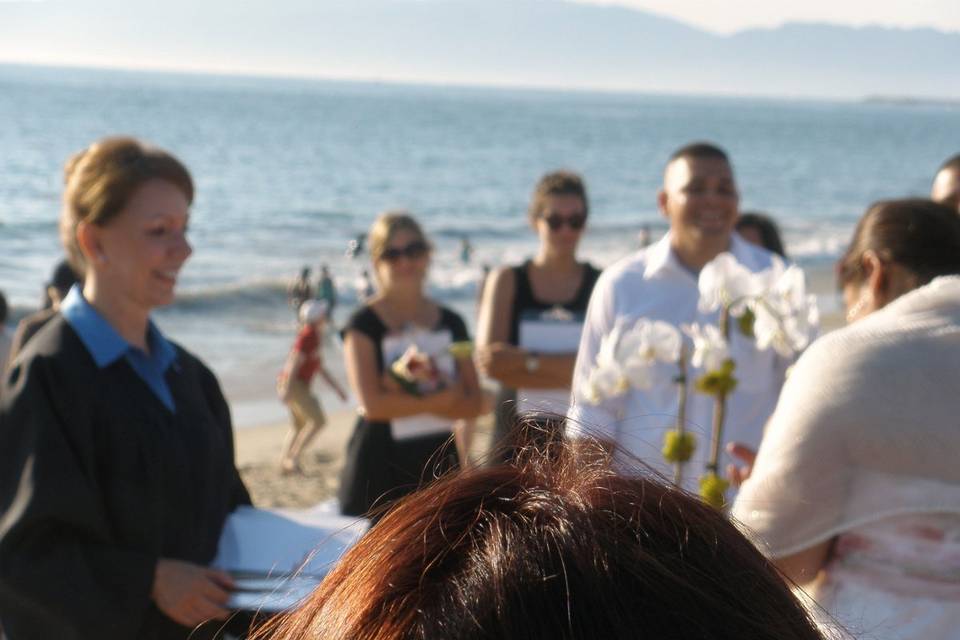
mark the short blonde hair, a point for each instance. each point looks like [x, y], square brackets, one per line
[386, 226]
[101, 179]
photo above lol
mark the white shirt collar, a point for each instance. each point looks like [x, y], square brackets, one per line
[660, 255]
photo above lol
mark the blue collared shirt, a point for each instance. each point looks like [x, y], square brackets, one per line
[107, 346]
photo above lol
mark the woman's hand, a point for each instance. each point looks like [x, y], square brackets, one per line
[190, 594]
[500, 358]
[739, 475]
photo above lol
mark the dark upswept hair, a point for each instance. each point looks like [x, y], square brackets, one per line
[768, 229]
[555, 545]
[557, 183]
[101, 179]
[697, 150]
[920, 235]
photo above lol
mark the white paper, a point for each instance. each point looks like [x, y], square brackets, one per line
[437, 345]
[551, 337]
[278, 556]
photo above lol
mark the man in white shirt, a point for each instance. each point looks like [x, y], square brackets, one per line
[699, 197]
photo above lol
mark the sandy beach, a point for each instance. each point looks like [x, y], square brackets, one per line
[258, 458]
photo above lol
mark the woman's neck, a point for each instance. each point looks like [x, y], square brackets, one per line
[560, 261]
[404, 306]
[129, 320]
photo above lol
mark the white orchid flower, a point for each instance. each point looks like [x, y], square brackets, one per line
[787, 317]
[710, 349]
[604, 382]
[724, 282]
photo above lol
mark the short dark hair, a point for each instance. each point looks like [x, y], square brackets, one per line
[557, 183]
[4, 312]
[697, 150]
[921, 235]
[63, 278]
[554, 545]
[768, 229]
[952, 164]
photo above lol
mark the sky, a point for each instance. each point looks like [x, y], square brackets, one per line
[726, 16]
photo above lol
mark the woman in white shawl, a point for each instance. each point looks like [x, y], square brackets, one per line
[855, 492]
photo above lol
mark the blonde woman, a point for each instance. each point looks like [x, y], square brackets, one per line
[404, 426]
[118, 469]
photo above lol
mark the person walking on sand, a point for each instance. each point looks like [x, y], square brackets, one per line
[326, 290]
[303, 363]
[301, 290]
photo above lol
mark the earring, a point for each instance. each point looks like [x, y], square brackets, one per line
[854, 312]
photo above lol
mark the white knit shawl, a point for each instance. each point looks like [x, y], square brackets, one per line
[867, 426]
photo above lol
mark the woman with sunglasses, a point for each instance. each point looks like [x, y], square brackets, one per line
[411, 385]
[531, 315]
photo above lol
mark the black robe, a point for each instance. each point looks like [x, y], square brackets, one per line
[98, 479]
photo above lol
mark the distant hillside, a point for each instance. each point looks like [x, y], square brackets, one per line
[516, 42]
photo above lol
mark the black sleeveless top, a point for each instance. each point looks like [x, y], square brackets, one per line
[379, 469]
[526, 306]
[525, 303]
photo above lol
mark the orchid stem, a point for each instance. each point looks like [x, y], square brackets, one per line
[720, 404]
[681, 411]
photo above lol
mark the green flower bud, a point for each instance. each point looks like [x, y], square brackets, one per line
[678, 447]
[712, 490]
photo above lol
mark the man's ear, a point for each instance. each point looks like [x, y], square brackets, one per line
[662, 202]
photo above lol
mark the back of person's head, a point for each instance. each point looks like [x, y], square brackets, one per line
[4, 310]
[699, 151]
[61, 281]
[946, 183]
[921, 235]
[386, 226]
[553, 546]
[766, 228]
[951, 164]
[557, 183]
[101, 179]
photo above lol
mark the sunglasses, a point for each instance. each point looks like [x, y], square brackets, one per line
[414, 250]
[556, 222]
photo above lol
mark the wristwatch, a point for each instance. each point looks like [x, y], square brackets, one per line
[532, 362]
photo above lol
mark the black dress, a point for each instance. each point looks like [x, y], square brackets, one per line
[99, 479]
[380, 469]
[527, 305]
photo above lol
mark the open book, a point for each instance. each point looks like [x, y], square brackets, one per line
[278, 556]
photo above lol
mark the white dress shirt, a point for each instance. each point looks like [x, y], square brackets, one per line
[653, 284]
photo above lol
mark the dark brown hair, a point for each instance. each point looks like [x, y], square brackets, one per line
[555, 545]
[768, 229]
[101, 179]
[921, 235]
[696, 150]
[557, 183]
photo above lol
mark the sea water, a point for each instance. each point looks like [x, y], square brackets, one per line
[288, 171]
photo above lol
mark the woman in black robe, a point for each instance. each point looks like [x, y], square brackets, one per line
[116, 446]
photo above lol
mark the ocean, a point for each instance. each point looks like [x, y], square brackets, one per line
[289, 170]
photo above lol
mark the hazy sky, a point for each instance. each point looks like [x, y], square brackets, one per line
[731, 15]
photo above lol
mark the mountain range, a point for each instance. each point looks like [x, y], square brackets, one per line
[531, 43]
